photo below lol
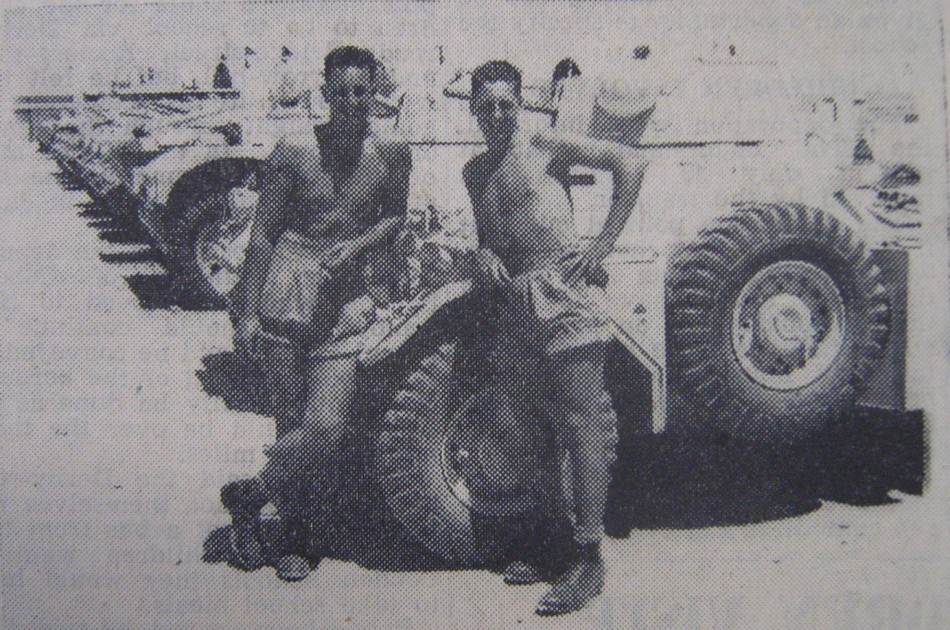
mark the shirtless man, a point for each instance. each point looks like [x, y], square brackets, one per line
[549, 328]
[326, 198]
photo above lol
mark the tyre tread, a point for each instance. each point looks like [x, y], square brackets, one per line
[699, 271]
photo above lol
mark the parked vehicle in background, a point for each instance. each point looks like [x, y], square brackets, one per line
[758, 291]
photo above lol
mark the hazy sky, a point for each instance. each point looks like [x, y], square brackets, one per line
[824, 43]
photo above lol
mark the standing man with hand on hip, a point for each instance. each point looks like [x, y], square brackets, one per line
[327, 197]
[551, 338]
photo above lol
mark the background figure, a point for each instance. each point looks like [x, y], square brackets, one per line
[222, 76]
[565, 69]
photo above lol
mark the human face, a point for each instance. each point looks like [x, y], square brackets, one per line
[496, 106]
[349, 92]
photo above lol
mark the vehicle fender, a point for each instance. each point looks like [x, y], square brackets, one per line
[155, 181]
[388, 340]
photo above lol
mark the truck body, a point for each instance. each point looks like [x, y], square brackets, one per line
[758, 290]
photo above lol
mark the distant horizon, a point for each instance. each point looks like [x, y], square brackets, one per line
[39, 57]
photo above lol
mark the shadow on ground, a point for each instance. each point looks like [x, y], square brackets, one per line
[139, 256]
[675, 481]
[239, 384]
[154, 291]
[111, 226]
[67, 181]
[671, 481]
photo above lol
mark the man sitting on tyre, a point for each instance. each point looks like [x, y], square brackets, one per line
[326, 198]
[551, 337]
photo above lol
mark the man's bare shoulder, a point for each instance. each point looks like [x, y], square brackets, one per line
[530, 159]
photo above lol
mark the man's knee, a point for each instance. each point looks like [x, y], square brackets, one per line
[282, 358]
[588, 423]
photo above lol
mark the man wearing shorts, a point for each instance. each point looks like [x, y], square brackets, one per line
[326, 198]
[551, 337]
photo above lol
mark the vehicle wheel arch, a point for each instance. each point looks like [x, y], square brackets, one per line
[211, 176]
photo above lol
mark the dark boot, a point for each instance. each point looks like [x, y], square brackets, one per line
[295, 563]
[545, 550]
[243, 499]
[574, 589]
[245, 496]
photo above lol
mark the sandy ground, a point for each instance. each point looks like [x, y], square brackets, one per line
[113, 456]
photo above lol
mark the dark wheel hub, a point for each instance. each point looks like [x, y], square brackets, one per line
[788, 325]
[492, 456]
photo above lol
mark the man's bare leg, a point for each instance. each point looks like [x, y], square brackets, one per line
[301, 475]
[314, 464]
[545, 542]
[282, 362]
[587, 427]
[544, 539]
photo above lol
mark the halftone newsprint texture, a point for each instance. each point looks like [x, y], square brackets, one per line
[475, 315]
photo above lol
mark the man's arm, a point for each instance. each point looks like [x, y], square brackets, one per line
[472, 178]
[269, 223]
[627, 167]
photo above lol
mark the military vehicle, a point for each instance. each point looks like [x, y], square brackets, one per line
[758, 292]
[760, 280]
[104, 138]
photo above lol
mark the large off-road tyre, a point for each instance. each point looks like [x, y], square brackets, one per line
[775, 317]
[208, 230]
[449, 450]
[409, 460]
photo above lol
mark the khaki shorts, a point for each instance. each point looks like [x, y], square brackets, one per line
[545, 313]
[300, 300]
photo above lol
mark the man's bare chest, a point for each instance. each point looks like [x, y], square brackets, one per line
[515, 202]
[504, 220]
[322, 185]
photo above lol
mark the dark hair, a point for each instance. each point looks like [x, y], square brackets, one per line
[565, 68]
[349, 57]
[496, 71]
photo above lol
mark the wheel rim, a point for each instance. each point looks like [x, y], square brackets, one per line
[221, 246]
[491, 457]
[788, 325]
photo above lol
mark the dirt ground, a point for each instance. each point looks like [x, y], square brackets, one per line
[114, 452]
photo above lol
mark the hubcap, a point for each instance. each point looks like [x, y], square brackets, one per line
[492, 455]
[221, 246]
[787, 325]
